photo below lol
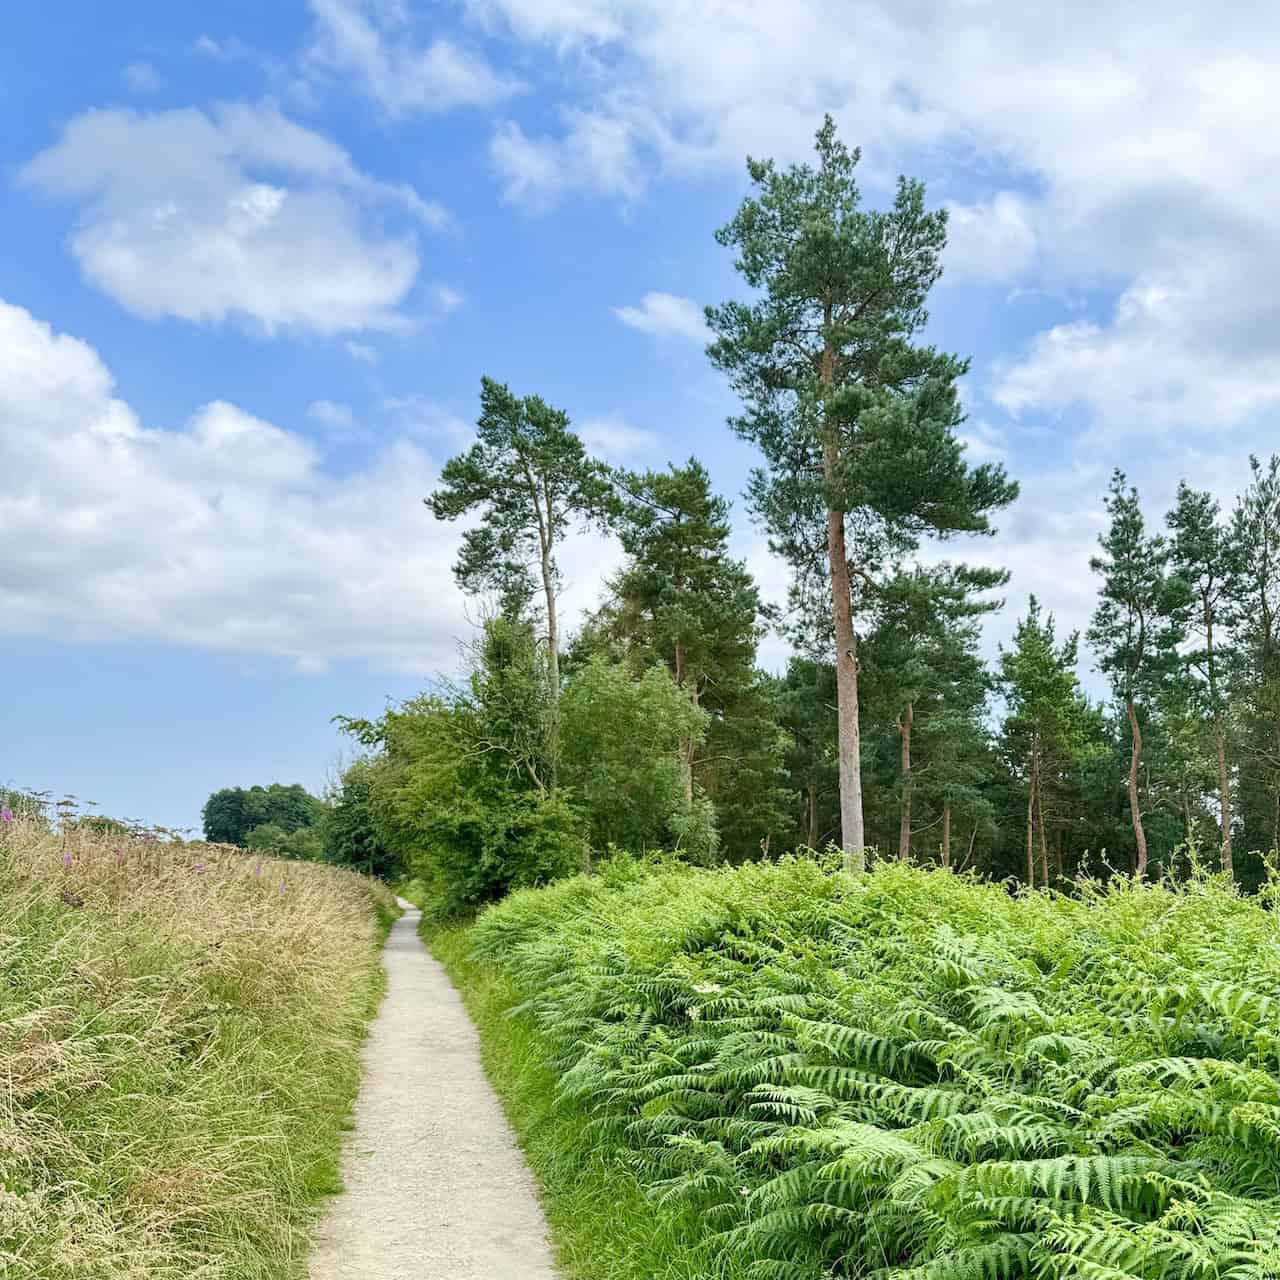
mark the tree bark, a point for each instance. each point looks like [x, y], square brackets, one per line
[852, 830]
[1220, 742]
[1224, 793]
[1032, 778]
[904, 818]
[1044, 843]
[686, 744]
[946, 833]
[813, 816]
[1135, 809]
[553, 659]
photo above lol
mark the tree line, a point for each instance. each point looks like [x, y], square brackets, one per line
[654, 727]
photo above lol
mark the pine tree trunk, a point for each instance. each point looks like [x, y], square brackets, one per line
[1135, 809]
[686, 744]
[1044, 843]
[904, 817]
[946, 833]
[813, 816]
[1032, 777]
[1057, 854]
[852, 832]
[553, 664]
[1220, 742]
[1224, 793]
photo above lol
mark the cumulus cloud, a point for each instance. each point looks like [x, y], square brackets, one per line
[225, 534]
[375, 43]
[1115, 150]
[666, 315]
[991, 240]
[237, 214]
[596, 153]
[616, 440]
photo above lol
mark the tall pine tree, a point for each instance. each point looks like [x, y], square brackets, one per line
[855, 417]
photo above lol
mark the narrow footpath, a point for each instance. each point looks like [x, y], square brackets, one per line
[435, 1187]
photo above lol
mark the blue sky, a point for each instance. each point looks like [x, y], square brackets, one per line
[259, 256]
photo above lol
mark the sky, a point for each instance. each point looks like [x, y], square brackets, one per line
[257, 259]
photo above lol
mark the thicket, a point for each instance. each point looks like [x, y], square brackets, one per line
[904, 1074]
[179, 1037]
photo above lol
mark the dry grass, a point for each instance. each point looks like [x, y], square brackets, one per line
[179, 1036]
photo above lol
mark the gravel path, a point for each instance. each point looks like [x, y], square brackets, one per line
[436, 1188]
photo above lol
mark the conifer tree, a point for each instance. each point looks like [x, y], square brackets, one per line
[1203, 556]
[920, 659]
[531, 481]
[855, 417]
[1134, 629]
[1045, 728]
[1255, 534]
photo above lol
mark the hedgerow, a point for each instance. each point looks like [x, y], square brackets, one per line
[915, 1076]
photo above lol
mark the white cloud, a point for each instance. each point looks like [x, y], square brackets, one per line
[1171, 355]
[615, 439]
[1113, 148]
[597, 153]
[374, 43]
[362, 352]
[666, 315]
[239, 214]
[226, 534]
[419, 415]
[142, 77]
[992, 240]
[331, 414]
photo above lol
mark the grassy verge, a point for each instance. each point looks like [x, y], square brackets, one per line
[602, 1223]
[179, 1050]
[789, 1073]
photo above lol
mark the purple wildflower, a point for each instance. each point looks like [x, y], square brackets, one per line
[284, 888]
[199, 868]
[6, 815]
[257, 871]
[67, 859]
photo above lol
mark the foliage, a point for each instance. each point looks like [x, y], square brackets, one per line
[856, 419]
[350, 837]
[913, 1074]
[621, 763]
[457, 792]
[229, 815]
[180, 1027]
[682, 600]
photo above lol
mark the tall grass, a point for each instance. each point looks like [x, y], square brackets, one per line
[179, 1035]
[908, 1075]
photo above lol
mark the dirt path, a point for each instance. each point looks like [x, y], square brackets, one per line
[435, 1186]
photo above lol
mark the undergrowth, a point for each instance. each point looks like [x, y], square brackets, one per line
[904, 1075]
[179, 1049]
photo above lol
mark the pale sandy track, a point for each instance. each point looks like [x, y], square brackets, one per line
[436, 1188]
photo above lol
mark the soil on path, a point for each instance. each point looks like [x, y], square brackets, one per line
[435, 1187]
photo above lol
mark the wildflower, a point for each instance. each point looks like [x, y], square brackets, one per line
[67, 859]
[198, 868]
[6, 815]
[707, 988]
[284, 888]
[257, 871]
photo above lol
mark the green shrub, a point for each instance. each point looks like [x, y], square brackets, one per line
[912, 1074]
